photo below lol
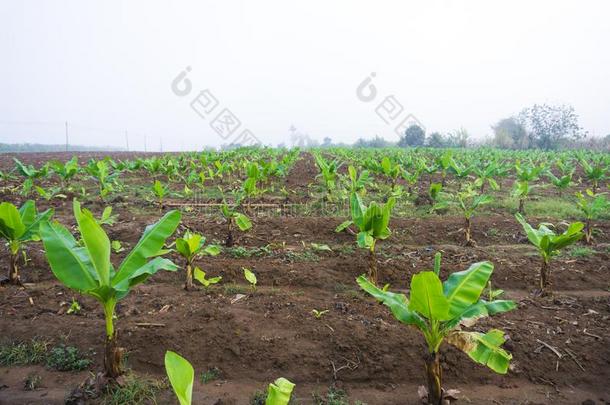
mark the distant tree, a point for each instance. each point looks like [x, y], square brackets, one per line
[551, 126]
[414, 136]
[458, 139]
[437, 140]
[376, 142]
[327, 142]
[509, 133]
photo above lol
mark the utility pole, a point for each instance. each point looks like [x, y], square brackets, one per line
[66, 136]
[144, 143]
[127, 140]
[160, 144]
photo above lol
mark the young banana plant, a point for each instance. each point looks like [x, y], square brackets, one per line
[372, 223]
[549, 244]
[561, 183]
[182, 376]
[329, 172]
[594, 172]
[591, 205]
[234, 218]
[357, 183]
[65, 171]
[391, 170]
[160, 191]
[436, 197]
[439, 309]
[521, 190]
[86, 267]
[17, 227]
[190, 247]
[469, 200]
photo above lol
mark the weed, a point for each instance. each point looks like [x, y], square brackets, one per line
[134, 390]
[211, 374]
[259, 398]
[346, 249]
[581, 251]
[20, 354]
[231, 289]
[66, 358]
[334, 396]
[304, 256]
[32, 382]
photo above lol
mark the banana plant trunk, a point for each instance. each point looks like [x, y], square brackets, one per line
[434, 375]
[467, 232]
[188, 285]
[545, 277]
[113, 354]
[13, 270]
[521, 206]
[113, 358]
[229, 240]
[588, 232]
[373, 276]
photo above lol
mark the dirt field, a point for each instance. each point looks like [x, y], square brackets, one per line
[560, 344]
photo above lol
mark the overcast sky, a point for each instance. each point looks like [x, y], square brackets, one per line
[107, 67]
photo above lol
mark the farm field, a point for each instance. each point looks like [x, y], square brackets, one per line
[306, 318]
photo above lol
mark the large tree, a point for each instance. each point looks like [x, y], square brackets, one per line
[414, 136]
[437, 140]
[509, 133]
[549, 126]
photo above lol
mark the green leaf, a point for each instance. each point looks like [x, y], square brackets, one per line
[532, 235]
[142, 273]
[181, 376]
[212, 250]
[343, 226]
[279, 392]
[243, 222]
[199, 275]
[427, 296]
[321, 247]
[484, 348]
[364, 240]
[96, 241]
[499, 306]
[464, 288]
[150, 243]
[11, 226]
[437, 263]
[250, 276]
[398, 303]
[69, 263]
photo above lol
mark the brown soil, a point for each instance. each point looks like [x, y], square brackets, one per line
[357, 346]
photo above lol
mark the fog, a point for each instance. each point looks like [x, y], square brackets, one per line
[107, 67]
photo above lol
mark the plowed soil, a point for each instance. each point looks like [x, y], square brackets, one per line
[560, 344]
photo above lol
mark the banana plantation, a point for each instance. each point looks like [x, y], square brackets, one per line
[319, 276]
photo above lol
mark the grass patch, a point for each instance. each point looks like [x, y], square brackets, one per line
[231, 289]
[544, 207]
[239, 252]
[304, 256]
[23, 353]
[258, 398]
[135, 390]
[581, 251]
[334, 396]
[36, 351]
[66, 358]
[210, 375]
[32, 382]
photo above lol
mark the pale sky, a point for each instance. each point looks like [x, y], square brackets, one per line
[107, 66]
